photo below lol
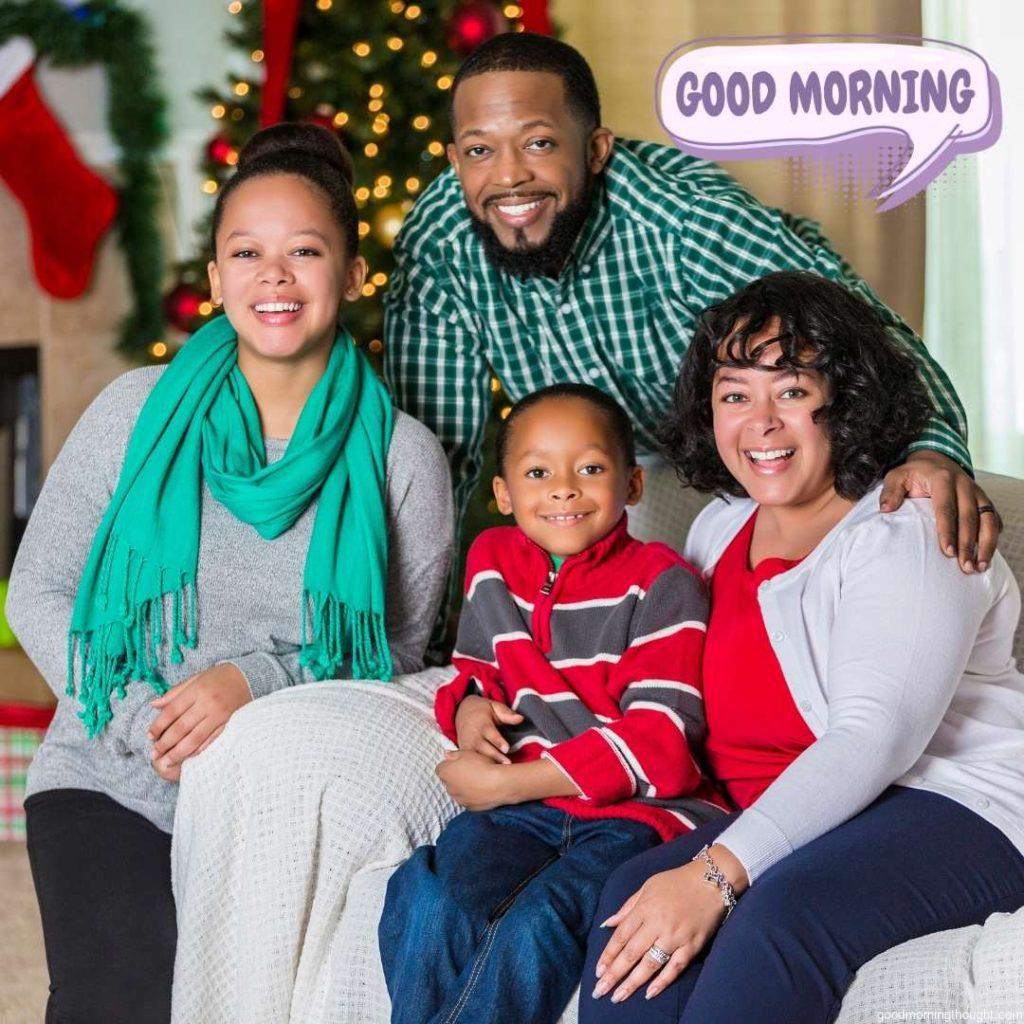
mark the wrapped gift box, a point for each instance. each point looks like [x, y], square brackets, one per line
[22, 727]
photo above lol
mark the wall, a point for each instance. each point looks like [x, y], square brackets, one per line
[625, 44]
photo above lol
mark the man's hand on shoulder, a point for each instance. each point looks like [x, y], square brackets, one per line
[966, 521]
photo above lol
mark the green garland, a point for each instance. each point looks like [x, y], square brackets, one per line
[103, 32]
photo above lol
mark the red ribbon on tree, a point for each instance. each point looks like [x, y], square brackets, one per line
[280, 18]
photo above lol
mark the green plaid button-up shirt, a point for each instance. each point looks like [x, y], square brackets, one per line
[668, 235]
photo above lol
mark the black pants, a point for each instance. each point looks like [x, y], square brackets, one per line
[103, 879]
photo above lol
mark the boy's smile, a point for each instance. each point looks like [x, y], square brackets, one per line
[565, 477]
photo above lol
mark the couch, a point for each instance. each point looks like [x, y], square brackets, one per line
[287, 866]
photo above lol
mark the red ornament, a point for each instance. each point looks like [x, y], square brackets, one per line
[181, 306]
[323, 116]
[221, 152]
[472, 23]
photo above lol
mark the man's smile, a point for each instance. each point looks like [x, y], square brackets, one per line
[520, 211]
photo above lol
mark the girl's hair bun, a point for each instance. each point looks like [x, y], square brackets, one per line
[306, 150]
[281, 143]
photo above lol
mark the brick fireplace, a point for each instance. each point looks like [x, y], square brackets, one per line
[65, 352]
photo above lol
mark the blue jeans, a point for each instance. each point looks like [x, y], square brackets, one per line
[910, 864]
[491, 924]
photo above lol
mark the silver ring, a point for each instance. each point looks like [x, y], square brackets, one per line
[659, 956]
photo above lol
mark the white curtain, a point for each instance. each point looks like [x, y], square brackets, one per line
[974, 266]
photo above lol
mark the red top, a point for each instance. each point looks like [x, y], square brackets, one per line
[754, 727]
[603, 661]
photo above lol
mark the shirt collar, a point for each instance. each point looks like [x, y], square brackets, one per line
[609, 545]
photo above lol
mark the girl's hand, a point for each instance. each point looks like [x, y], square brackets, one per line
[173, 772]
[476, 726]
[675, 910]
[474, 780]
[192, 715]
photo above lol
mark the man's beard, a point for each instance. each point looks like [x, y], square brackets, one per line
[547, 258]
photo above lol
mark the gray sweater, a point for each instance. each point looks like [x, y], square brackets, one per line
[248, 591]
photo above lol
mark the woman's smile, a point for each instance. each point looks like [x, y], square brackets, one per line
[278, 312]
[769, 461]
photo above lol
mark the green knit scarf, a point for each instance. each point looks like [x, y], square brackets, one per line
[136, 601]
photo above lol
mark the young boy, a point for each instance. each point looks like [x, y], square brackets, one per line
[576, 710]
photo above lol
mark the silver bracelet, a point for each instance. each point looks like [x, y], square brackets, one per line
[716, 878]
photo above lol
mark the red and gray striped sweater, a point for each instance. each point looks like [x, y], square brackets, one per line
[603, 661]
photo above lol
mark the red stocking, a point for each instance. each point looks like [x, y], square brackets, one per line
[69, 207]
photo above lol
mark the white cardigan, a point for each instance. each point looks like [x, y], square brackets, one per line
[900, 664]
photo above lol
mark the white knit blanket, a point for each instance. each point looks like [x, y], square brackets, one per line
[290, 824]
[286, 830]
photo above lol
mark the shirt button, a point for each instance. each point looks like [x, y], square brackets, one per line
[764, 585]
[982, 801]
[586, 268]
[805, 705]
[777, 637]
[565, 307]
[594, 373]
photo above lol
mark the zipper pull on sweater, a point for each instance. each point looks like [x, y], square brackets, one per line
[549, 582]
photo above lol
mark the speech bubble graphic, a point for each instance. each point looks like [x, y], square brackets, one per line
[749, 97]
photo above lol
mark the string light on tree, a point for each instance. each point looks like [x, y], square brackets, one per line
[387, 222]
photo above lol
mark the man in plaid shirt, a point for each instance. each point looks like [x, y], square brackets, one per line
[551, 251]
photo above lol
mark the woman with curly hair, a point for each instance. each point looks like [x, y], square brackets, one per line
[863, 707]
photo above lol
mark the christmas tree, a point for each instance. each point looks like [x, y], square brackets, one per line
[377, 72]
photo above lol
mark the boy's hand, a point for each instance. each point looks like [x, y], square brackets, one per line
[192, 714]
[476, 726]
[474, 780]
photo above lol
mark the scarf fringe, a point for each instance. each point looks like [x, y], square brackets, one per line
[130, 647]
[332, 632]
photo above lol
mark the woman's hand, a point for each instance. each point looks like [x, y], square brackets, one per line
[476, 726]
[474, 780]
[956, 499]
[677, 911]
[192, 715]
